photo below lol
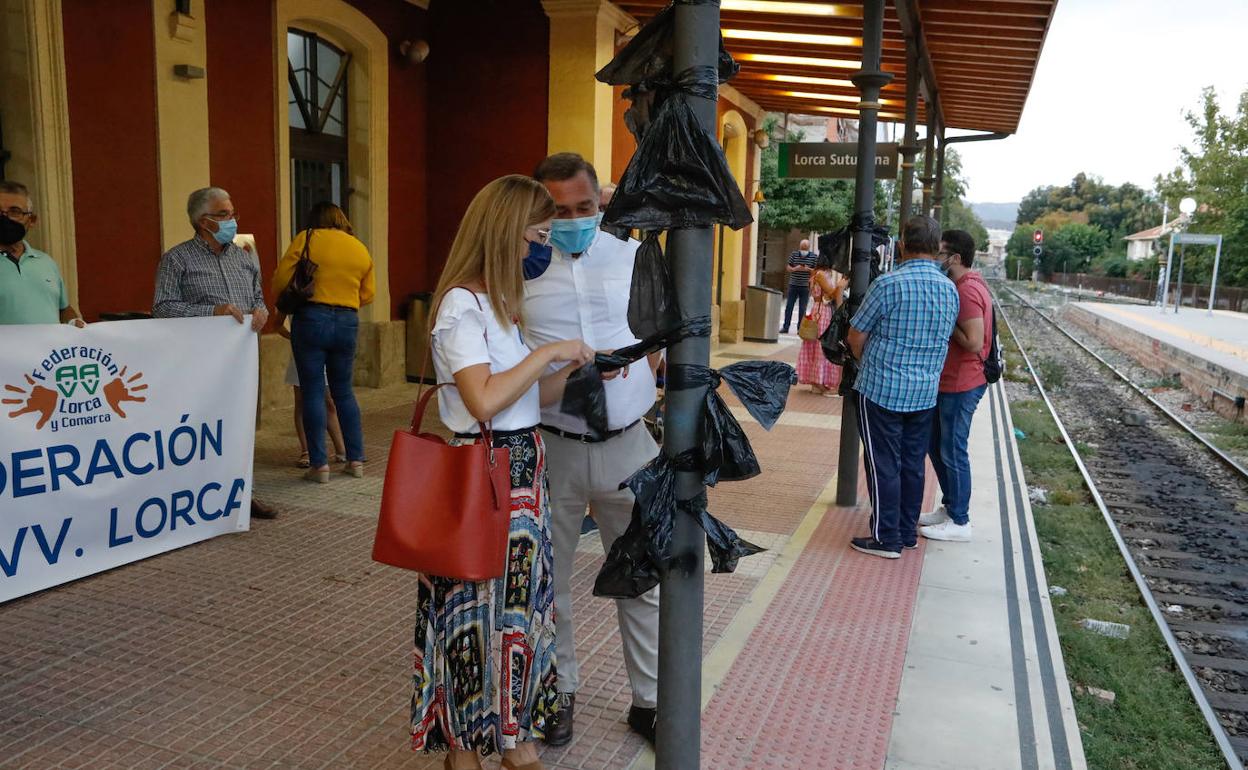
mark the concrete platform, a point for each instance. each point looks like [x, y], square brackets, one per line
[287, 647]
[1208, 351]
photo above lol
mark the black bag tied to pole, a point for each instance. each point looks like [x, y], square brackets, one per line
[584, 395]
[638, 557]
[652, 299]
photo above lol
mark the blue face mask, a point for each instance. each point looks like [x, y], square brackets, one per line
[537, 260]
[574, 236]
[226, 230]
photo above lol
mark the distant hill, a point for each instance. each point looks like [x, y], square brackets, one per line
[997, 216]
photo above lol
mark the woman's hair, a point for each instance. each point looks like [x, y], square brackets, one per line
[487, 244]
[327, 216]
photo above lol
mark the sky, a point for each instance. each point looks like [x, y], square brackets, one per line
[1114, 80]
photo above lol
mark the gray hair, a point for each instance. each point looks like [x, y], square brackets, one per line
[17, 188]
[200, 202]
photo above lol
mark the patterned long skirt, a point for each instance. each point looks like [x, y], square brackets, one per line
[484, 672]
[813, 367]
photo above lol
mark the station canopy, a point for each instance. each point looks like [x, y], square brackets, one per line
[797, 55]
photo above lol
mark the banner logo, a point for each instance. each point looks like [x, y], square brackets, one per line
[64, 391]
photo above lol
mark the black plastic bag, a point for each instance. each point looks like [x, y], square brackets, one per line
[647, 59]
[835, 249]
[638, 556]
[584, 395]
[652, 304]
[833, 341]
[678, 178]
[724, 449]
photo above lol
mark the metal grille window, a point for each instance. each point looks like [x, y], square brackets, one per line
[317, 100]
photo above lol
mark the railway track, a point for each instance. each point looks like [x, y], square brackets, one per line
[1174, 502]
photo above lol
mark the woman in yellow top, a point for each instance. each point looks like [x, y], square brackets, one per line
[323, 331]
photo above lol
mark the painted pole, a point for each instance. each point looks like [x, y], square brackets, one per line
[691, 253]
[910, 143]
[1165, 286]
[870, 79]
[1213, 286]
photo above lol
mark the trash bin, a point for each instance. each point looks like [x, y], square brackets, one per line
[417, 312]
[130, 315]
[762, 314]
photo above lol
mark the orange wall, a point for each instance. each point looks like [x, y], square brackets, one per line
[109, 54]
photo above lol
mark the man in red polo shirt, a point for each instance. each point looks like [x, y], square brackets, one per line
[962, 385]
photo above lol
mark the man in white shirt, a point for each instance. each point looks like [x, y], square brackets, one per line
[583, 294]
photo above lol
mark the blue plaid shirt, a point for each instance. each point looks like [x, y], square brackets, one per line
[908, 315]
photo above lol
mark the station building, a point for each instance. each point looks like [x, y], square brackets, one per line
[112, 112]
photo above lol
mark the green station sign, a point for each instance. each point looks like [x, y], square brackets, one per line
[833, 160]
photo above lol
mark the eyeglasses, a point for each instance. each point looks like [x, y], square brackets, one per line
[543, 236]
[222, 216]
[16, 213]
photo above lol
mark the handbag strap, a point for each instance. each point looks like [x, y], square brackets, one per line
[307, 242]
[422, 397]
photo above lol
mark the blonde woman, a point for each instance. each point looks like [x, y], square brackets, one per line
[323, 332]
[827, 289]
[485, 652]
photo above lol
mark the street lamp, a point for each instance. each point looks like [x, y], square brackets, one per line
[1188, 206]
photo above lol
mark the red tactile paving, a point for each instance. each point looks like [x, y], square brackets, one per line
[824, 665]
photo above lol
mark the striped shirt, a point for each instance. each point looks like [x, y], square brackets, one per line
[192, 280]
[800, 278]
[908, 317]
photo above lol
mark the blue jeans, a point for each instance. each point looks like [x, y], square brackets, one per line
[951, 429]
[894, 449]
[797, 295]
[323, 340]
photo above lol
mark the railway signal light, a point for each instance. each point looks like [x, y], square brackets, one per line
[1037, 237]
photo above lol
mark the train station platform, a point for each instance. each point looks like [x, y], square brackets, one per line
[287, 647]
[1209, 351]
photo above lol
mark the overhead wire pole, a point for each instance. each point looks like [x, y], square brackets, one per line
[870, 79]
[929, 155]
[691, 253]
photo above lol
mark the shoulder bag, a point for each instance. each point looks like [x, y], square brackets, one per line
[298, 291]
[445, 510]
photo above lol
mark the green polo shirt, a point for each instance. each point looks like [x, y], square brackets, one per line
[31, 291]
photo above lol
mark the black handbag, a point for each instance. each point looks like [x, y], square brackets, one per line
[298, 291]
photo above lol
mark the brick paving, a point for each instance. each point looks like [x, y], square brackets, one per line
[286, 646]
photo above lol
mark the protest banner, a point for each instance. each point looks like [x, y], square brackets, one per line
[119, 442]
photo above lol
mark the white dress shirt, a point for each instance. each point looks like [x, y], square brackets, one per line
[586, 298]
[466, 333]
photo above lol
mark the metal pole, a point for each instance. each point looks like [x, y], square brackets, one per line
[1213, 286]
[870, 79]
[1165, 286]
[938, 200]
[691, 252]
[929, 158]
[1178, 286]
[910, 143]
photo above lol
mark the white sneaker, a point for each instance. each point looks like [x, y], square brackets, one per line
[938, 516]
[954, 533]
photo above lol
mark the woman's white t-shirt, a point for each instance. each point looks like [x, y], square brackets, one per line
[465, 334]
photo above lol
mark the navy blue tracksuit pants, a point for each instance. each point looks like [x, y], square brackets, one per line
[895, 448]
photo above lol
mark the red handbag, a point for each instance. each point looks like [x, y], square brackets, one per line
[445, 510]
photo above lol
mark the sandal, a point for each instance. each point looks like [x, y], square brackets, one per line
[303, 461]
[319, 475]
[355, 469]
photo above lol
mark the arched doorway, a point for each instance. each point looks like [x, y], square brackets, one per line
[316, 91]
[354, 134]
[729, 251]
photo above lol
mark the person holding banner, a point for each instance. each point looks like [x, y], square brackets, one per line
[31, 288]
[209, 275]
[484, 674]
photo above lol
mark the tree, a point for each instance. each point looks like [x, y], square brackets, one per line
[1118, 211]
[955, 214]
[1215, 172]
[1073, 247]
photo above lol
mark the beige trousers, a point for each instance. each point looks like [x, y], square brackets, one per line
[589, 475]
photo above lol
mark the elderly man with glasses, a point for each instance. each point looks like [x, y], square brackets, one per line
[31, 288]
[209, 275]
